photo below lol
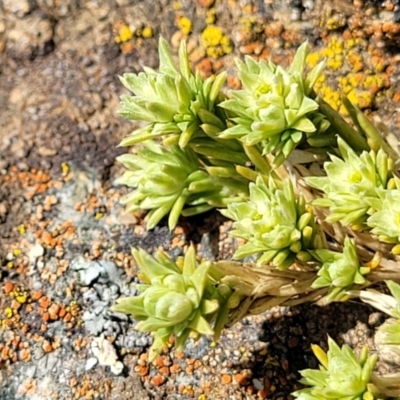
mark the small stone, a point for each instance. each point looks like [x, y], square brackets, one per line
[18, 7]
[158, 380]
[106, 354]
[35, 252]
[90, 363]
[8, 287]
[206, 3]
[258, 384]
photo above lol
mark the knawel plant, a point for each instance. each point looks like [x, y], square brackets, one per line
[314, 199]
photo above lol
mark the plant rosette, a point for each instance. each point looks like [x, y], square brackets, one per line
[276, 224]
[342, 376]
[176, 299]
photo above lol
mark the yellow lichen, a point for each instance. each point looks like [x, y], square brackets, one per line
[357, 82]
[21, 298]
[17, 252]
[125, 34]
[215, 42]
[147, 32]
[8, 312]
[185, 24]
[177, 5]
[64, 168]
[313, 59]
[211, 16]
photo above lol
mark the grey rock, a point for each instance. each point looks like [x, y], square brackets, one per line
[48, 362]
[95, 326]
[112, 273]
[29, 371]
[89, 275]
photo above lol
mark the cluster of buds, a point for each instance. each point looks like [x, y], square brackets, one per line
[351, 182]
[340, 271]
[275, 108]
[341, 375]
[174, 102]
[176, 299]
[276, 224]
[173, 182]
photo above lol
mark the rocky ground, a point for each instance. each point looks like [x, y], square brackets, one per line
[65, 239]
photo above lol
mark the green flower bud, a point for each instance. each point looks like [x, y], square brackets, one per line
[175, 102]
[340, 271]
[385, 222]
[174, 182]
[341, 376]
[269, 223]
[176, 301]
[352, 184]
[274, 108]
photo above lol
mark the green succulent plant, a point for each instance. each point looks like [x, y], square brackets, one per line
[174, 102]
[175, 300]
[342, 376]
[340, 271]
[274, 222]
[275, 108]
[351, 182]
[172, 181]
[385, 221]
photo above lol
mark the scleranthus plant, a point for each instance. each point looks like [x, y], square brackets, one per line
[174, 182]
[319, 230]
[340, 271]
[342, 376]
[350, 182]
[274, 222]
[175, 300]
[274, 108]
[174, 101]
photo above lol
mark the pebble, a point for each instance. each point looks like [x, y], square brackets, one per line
[90, 363]
[18, 7]
[258, 384]
[35, 252]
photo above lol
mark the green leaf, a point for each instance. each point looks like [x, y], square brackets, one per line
[394, 290]
[216, 87]
[304, 125]
[166, 63]
[200, 324]
[184, 61]
[199, 278]
[313, 76]
[299, 59]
